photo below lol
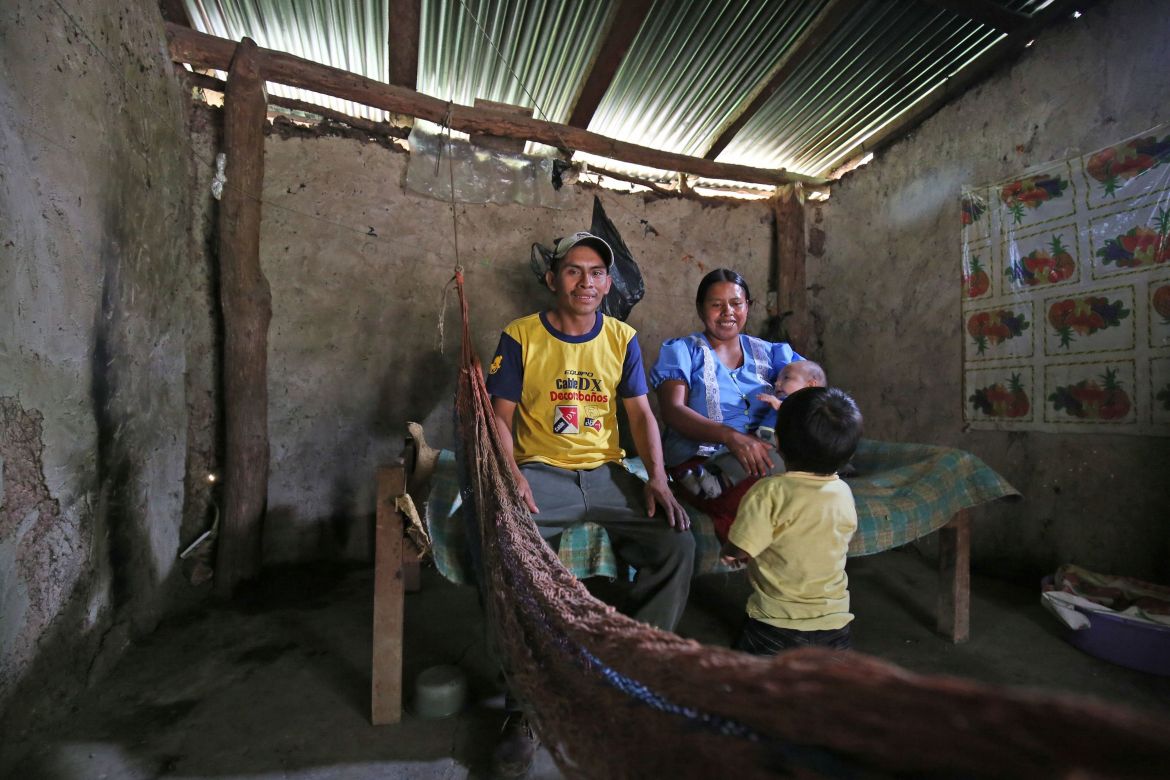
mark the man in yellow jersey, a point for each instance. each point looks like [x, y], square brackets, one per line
[555, 382]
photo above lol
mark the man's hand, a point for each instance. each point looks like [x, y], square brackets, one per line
[525, 491]
[658, 494]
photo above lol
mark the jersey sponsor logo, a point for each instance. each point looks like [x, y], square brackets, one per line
[583, 383]
[496, 364]
[566, 419]
[594, 423]
[577, 395]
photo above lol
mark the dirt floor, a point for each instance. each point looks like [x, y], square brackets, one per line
[277, 686]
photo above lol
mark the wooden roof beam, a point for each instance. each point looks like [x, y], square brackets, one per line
[986, 12]
[819, 29]
[625, 21]
[405, 16]
[208, 51]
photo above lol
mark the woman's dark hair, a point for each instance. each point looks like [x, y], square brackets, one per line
[716, 276]
[818, 429]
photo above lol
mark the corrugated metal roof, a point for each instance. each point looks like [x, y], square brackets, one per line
[531, 53]
[692, 67]
[347, 34]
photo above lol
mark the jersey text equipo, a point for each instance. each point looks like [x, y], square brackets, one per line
[589, 398]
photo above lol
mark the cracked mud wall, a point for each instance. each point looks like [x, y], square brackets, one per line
[357, 267]
[887, 292]
[94, 256]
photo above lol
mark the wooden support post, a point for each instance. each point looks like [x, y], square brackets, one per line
[247, 310]
[389, 607]
[791, 293]
[954, 578]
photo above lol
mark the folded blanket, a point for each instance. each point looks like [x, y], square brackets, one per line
[903, 492]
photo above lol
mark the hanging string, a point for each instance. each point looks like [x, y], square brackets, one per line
[457, 276]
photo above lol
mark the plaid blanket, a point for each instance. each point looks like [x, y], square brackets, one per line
[903, 492]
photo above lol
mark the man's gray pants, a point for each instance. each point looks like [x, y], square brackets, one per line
[614, 499]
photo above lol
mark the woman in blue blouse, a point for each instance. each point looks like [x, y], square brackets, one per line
[708, 385]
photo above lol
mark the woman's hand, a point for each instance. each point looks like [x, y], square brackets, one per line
[752, 453]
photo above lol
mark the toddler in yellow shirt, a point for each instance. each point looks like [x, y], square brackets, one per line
[793, 530]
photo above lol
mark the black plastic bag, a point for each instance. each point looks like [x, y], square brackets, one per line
[628, 286]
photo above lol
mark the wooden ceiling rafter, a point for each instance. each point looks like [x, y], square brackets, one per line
[625, 21]
[826, 22]
[208, 51]
[402, 42]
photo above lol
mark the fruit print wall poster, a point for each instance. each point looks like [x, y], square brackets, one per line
[1066, 294]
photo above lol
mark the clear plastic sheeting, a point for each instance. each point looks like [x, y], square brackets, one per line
[1066, 294]
[481, 175]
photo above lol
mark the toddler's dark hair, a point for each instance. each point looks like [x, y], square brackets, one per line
[818, 429]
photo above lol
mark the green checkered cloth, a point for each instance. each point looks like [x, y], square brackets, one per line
[903, 492]
[906, 491]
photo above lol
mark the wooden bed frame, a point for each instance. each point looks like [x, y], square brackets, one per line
[396, 572]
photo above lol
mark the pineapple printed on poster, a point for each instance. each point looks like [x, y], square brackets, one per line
[1090, 393]
[976, 277]
[999, 332]
[1042, 259]
[1037, 198]
[1120, 172]
[1099, 322]
[1002, 394]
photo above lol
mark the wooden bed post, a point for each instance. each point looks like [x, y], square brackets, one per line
[954, 578]
[389, 606]
[247, 310]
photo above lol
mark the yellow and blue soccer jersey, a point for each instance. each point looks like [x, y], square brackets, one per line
[566, 388]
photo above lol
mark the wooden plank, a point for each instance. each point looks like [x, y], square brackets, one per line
[954, 578]
[791, 292]
[247, 309]
[389, 606]
[403, 42]
[827, 21]
[207, 51]
[368, 125]
[496, 142]
[625, 21]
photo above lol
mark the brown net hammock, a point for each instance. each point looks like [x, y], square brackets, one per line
[611, 697]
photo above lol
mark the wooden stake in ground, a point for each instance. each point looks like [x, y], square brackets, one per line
[247, 310]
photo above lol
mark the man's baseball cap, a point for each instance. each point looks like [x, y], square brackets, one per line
[583, 239]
